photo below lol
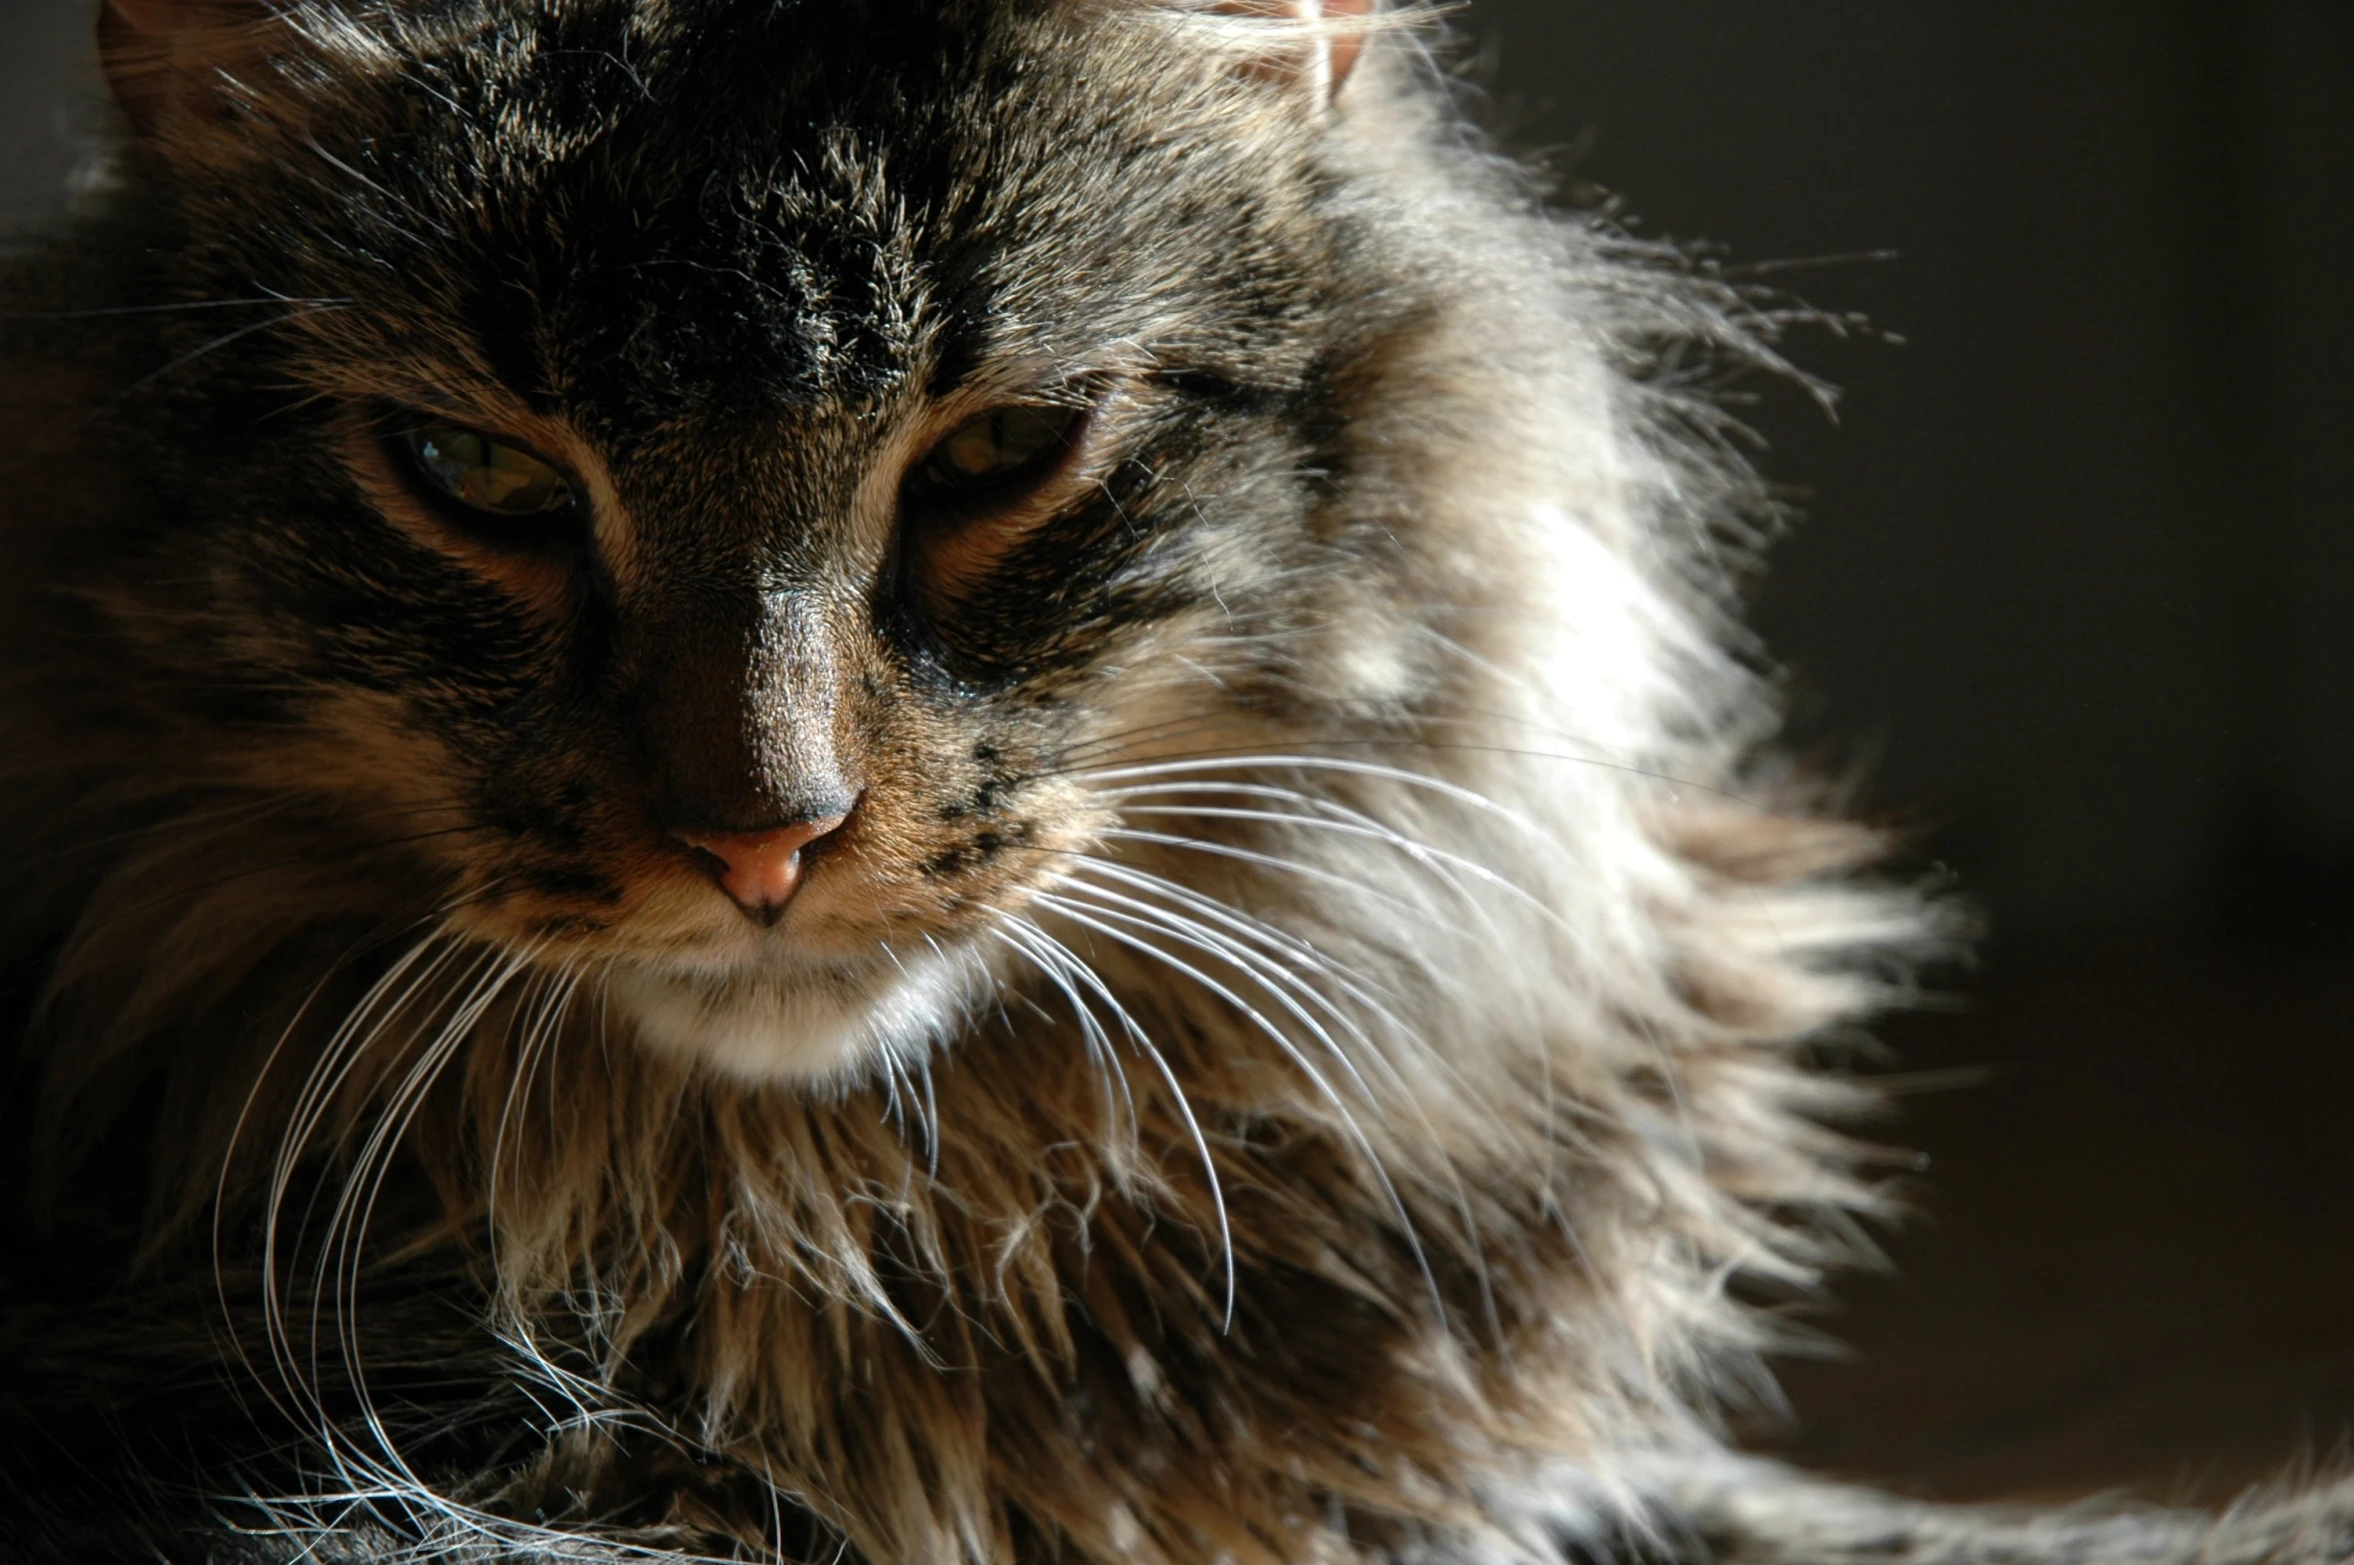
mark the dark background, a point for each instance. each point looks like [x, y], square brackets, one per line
[2076, 580]
[2075, 593]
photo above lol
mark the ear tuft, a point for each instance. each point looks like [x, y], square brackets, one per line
[161, 56]
[1345, 44]
[1320, 47]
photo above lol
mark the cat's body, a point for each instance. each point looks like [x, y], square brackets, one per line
[1230, 987]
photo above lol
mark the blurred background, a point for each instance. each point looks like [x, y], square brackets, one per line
[2073, 594]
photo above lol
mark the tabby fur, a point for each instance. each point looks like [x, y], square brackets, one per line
[1320, 1018]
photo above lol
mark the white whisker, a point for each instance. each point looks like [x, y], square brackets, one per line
[1274, 980]
[1280, 983]
[1448, 864]
[1470, 797]
[1355, 984]
[1086, 975]
[1442, 862]
[1099, 1047]
[1291, 1049]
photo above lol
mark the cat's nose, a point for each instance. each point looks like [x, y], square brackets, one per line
[760, 870]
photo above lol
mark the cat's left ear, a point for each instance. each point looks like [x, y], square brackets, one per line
[165, 56]
[1332, 38]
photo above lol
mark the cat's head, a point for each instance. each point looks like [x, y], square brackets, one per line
[718, 481]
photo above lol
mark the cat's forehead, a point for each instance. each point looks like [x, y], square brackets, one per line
[656, 204]
[822, 117]
[700, 192]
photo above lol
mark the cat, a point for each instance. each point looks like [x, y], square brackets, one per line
[904, 781]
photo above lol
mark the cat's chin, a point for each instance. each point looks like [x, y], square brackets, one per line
[798, 1023]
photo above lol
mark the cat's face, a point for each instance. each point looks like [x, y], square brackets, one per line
[727, 472]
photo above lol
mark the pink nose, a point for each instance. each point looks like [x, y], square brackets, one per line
[760, 870]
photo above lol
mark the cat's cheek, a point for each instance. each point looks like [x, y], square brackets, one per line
[364, 750]
[654, 913]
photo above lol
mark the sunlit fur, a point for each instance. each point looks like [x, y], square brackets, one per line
[1320, 1016]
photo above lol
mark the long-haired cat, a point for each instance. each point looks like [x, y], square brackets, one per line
[901, 781]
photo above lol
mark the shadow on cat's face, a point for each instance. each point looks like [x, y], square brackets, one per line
[731, 479]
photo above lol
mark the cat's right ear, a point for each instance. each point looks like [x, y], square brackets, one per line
[1329, 37]
[167, 58]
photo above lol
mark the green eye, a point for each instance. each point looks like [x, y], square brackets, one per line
[487, 475]
[995, 447]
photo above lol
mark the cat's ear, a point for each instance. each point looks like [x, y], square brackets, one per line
[165, 57]
[1330, 39]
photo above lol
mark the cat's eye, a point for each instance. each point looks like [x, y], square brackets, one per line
[984, 488]
[486, 474]
[998, 451]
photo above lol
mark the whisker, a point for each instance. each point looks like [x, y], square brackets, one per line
[535, 1041]
[1340, 817]
[1086, 975]
[1099, 1047]
[229, 817]
[1469, 797]
[233, 815]
[1311, 872]
[390, 1477]
[244, 1116]
[931, 1119]
[1353, 983]
[1274, 981]
[375, 993]
[192, 355]
[1284, 753]
[1278, 984]
[321, 1085]
[1228, 850]
[110, 311]
[352, 1218]
[1447, 865]
[1284, 1042]
[406, 207]
[1439, 859]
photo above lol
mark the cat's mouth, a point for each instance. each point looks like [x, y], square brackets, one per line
[861, 962]
[812, 993]
[820, 957]
[798, 1019]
